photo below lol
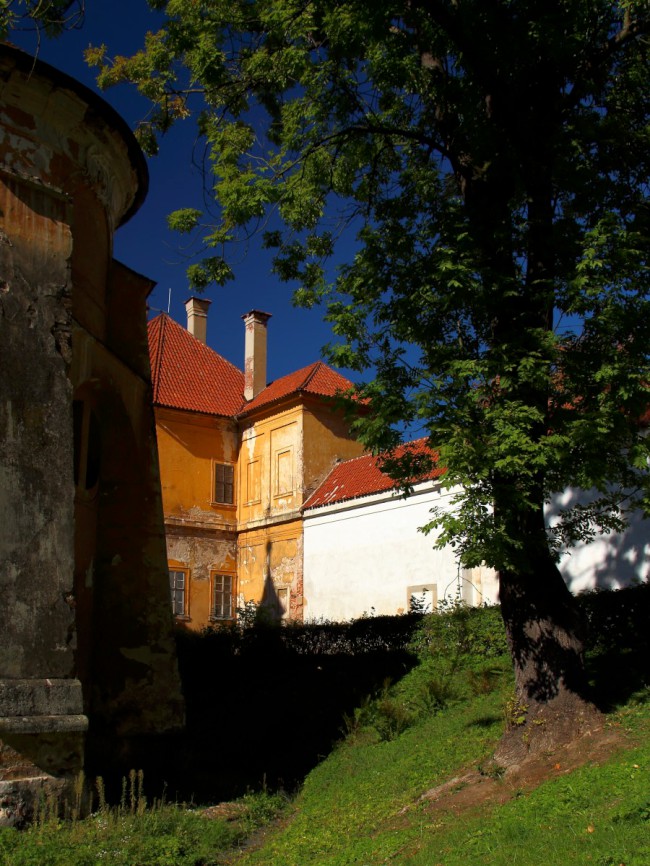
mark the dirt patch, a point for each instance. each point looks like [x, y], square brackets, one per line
[493, 783]
[230, 811]
[490, 783]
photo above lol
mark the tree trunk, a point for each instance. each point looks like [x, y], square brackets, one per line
[552, 704]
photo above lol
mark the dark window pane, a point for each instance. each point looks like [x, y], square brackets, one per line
[224, 483]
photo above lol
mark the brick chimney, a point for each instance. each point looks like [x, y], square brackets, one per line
[197, 317]
[255, 353]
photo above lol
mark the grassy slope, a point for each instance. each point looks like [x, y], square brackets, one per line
[361, 806]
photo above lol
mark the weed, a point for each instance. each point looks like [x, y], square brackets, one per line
[435, 693]
[483, 681]
[135, 834]
[491, 770]
[515, 712]
[391, 718]
[359, 718]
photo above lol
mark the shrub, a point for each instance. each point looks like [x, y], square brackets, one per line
[455, 631]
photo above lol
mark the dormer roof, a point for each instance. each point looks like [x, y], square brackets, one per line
[317, 379]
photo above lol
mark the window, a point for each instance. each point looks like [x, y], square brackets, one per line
[222, 596]
[282, 594]
[178, 590]
[284, 472]
[422, 599]
[224, 488]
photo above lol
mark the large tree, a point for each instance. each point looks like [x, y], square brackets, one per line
[492, 157]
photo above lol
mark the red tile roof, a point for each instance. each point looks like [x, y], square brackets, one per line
[317, 379]
[187, 374]
[362, 476]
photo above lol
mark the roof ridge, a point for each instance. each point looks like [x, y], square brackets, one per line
[311, 375]
[159, 354]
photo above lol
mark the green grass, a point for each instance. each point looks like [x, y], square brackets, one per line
[346, 812]
[351, 808]
[362, 804]
[594, 815]
[164, 835]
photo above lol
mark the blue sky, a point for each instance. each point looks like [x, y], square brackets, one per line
[146, 245]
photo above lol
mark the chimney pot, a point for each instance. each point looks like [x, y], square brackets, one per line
[197, 317]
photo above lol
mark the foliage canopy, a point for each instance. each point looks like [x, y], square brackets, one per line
[493, 159]
[51, 17]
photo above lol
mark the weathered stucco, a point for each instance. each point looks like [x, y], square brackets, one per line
[279, 454]
[82, 550]
[201, 533]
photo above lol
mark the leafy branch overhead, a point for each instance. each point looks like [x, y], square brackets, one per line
[492, 160]
[51, 17]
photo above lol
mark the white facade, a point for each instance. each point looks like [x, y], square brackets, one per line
[366, 555]
[612, 560]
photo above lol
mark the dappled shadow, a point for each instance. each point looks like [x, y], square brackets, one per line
[612, 560]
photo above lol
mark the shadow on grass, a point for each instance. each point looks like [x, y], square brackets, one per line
[485, 722]
[266, 704]
[262, 711]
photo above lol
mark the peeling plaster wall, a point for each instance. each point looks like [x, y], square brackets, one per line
[271, 467]
[271, 483]
[285, 452]
[70, 172]
[41, 745]
[189, 445]
[133, 687]
[36, 514]
[270, 568]
[202, 552]
[201, 533]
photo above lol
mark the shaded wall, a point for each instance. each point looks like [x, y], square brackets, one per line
[87, 623]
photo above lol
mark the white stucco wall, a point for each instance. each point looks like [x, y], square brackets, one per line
[363, 556]
[610, 561]
[367, 554]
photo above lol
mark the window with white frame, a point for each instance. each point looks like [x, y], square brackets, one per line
[178, 590]
[222, 596]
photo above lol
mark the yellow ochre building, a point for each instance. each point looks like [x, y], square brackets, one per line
[238, 458]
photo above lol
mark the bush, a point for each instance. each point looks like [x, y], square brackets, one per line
[610, 616]
[457, 631]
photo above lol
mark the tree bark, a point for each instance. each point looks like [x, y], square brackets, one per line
[552, 702]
